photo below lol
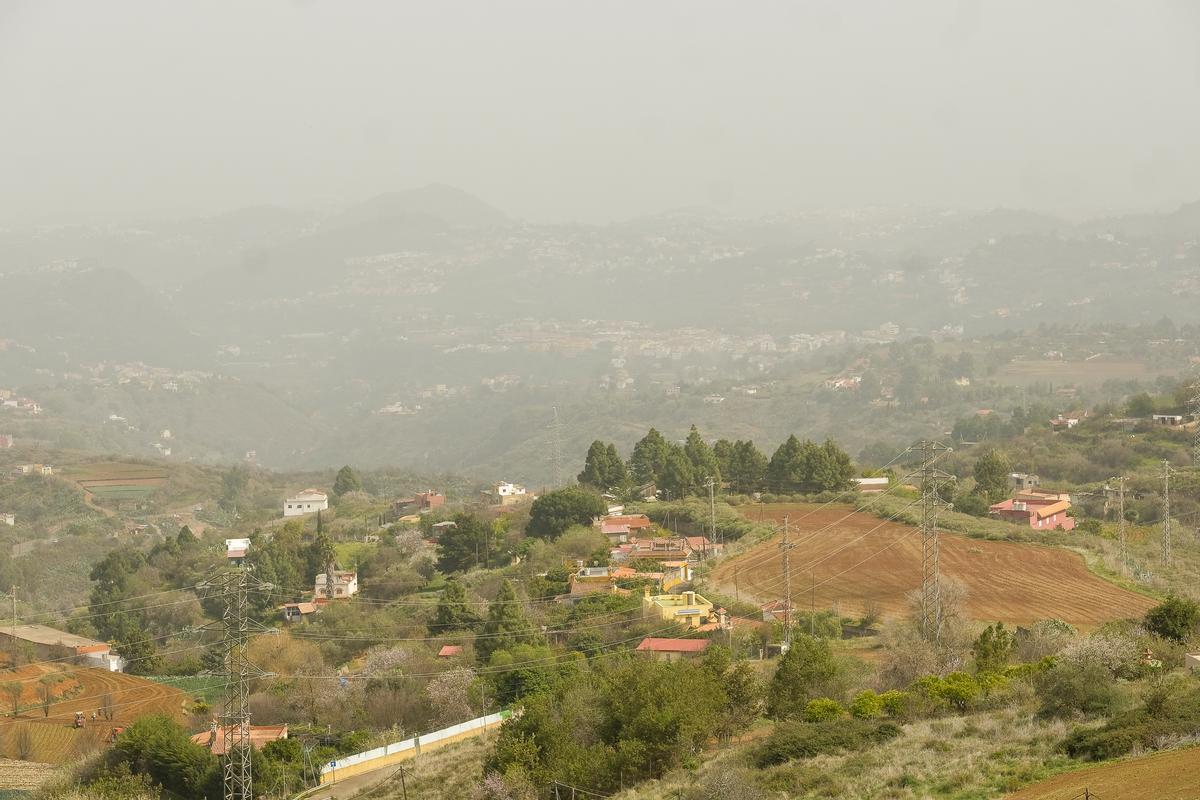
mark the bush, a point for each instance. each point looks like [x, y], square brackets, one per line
[1176, 618]
[1068, 690]
[1141, 728]
[792, 740]
[957, 690]
[866, 705]
[895, 703]
[823, 710]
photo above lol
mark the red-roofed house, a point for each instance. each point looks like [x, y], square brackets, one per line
[450, 651]
[260, 735]
[619, 527]
[672, 649]
[1039, 516]
[298, 612]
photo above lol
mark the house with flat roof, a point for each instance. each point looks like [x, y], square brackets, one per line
[50, 644]
[309, 501]
[687, 609]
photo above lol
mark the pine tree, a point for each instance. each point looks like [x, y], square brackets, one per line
[649, 456]
[346, 481]
[704, 463]
[453, 612]
[598, 467]
[676, 477]
[506, 624]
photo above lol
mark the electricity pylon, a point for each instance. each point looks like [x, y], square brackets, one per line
[931, 482]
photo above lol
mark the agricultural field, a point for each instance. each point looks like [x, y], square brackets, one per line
[856, 560]
[22, 775]
[1172, 775]
[53, 739]
[116, 481]
[1095, 371]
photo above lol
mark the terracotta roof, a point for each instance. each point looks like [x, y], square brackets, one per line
[235, 553]
[632, 520]
[450, 650]
[653, 645]
[303, 608]
[259, 735]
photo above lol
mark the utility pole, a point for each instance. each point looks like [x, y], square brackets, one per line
[13, 593]
[1166, 532]
[787, 583]
[1121, 532]
[234, 587]
[812, 605]
[557, 455]
[932, 480]
[712, 508]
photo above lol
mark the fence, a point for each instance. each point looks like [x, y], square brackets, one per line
[396, 752]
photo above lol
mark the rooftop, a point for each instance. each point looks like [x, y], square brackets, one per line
[42, 634]
[653, 645]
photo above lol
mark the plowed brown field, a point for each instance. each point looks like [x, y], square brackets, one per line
[53, 739]
[1173, 775]
[858, 559]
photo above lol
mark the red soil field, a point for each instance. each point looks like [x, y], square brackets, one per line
[55, 740]
[858, 559]
[1173, 775]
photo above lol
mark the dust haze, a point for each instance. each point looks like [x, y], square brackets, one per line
[594, 112]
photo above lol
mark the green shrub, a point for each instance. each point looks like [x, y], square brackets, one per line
[823, 710]
[1176, 618]
[1068, 690]
[866, 705]
[792, 740]
[895, 703]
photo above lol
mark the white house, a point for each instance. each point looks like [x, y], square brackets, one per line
[879, 484]
[345, 585]
[236, 549]
[309, 501]
[508, 493]
[8, 519]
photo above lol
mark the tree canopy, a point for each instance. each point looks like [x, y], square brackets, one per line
[554, 512]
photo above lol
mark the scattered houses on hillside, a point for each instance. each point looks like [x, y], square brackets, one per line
[309, 501]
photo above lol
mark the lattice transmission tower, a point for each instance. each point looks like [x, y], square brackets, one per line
[234, 587]
[931, 482]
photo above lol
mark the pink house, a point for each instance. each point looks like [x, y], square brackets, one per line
[1050, 515]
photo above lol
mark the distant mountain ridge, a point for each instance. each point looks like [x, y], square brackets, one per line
[443, 203]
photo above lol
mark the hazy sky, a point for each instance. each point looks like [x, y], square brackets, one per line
[594, 109]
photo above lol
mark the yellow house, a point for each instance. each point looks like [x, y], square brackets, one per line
[688, 609]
